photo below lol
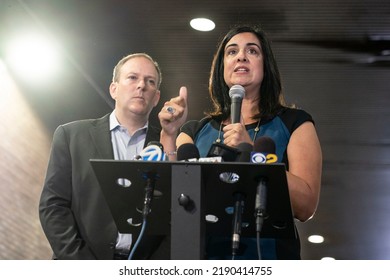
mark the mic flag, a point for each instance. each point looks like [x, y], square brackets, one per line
[264, 151]
[152, 152]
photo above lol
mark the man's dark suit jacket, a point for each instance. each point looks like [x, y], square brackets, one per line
[72, 210]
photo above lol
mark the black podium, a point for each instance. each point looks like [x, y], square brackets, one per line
[194, 199]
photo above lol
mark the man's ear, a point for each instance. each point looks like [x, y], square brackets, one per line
[112, 89]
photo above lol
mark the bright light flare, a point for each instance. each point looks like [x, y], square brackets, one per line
[33, 57]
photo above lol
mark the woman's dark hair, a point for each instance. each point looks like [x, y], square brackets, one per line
[271, 99]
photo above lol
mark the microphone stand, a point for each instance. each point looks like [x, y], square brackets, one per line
[237, 222]
[149, 189]
[150, 184]
[260, 210]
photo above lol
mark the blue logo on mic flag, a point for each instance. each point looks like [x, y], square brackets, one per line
[152, 153]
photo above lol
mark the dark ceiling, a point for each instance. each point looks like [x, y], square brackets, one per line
[334, 57]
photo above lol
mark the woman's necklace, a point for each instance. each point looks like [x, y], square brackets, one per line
[256, 130]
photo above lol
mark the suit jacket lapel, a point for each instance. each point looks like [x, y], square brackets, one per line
[101, 137]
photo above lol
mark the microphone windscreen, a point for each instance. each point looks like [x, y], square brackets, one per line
[187, 151]
[244, 152]
[237, 91]
[221, 150]
[158, 144]
[264, 144]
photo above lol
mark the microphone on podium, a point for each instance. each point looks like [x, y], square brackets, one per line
[263, 152]
[226, 152]
[244, 149]
[187, 152]
[154, 151]
[244, 152]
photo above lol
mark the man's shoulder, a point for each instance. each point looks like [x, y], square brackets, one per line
[82, 124]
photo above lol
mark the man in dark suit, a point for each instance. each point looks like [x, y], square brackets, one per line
[73, 212]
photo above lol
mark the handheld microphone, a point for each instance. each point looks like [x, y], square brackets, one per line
[236, 93]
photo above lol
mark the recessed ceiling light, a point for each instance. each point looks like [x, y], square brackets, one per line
[202, 24]
[315, 239]
[328, 258]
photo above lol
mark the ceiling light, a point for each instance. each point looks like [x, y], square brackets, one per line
[202, 24]
[327, 258]
[315, 239]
